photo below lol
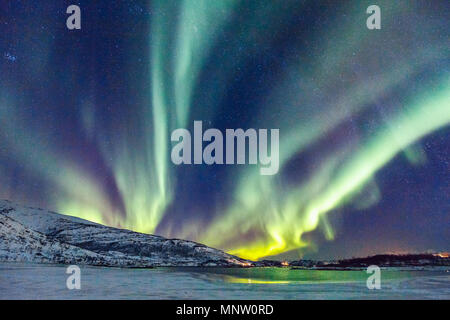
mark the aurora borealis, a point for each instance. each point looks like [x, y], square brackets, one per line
[364, 118]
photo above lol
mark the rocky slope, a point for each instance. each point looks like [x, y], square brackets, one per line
[36, 235]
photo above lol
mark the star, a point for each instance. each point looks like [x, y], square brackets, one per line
[10, 57]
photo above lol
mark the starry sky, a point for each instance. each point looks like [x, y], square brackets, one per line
[364, 119]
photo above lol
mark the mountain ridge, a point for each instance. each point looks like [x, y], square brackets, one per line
[36, 235]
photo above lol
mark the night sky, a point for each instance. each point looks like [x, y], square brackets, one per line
[364, 118]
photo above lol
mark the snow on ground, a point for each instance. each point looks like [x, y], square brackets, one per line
[36, 235]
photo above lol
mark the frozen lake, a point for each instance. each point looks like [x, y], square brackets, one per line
[31, 281]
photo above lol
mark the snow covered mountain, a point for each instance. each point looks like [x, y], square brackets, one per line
[40, 236]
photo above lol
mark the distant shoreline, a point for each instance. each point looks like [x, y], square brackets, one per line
[40, 236]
